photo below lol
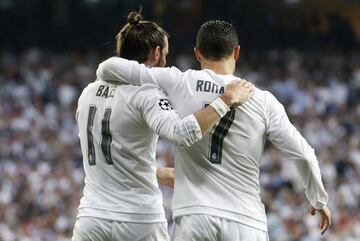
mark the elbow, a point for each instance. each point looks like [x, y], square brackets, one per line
[186, 139]
[187, 133]
[189, 142]
[190, 132]
[189, 136]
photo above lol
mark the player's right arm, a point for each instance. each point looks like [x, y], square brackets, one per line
[285, 137]
[122, 71]
[156, 110]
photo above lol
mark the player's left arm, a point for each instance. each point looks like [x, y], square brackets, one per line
[286, 137]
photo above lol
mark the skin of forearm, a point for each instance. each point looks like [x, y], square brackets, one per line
[207, 118]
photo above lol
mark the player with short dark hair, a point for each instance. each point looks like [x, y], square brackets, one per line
[118, 129]
[217, 189]
[216, 40]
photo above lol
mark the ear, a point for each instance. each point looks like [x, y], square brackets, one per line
[236, 52]
[156, 54]
[197, 54]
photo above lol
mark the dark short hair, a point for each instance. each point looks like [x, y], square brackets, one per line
[138, 37]
[216, 39]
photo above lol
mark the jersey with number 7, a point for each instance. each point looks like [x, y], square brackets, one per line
[219, 175]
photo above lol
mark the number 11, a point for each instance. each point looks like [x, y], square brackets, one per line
[105, 134]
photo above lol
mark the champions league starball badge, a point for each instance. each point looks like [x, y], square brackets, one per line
[165, 104]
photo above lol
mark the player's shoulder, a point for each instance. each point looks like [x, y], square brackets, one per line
[205, 74]
[261, 98]
[146, 92]
[112, 63]
[260, 93]
[149, 89]
[173, 71]
[264, 95]
[88, 90]
[269, 102]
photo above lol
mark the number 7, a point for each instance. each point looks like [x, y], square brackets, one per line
[217, 138]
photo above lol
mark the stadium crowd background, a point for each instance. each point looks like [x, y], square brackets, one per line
[317, 78]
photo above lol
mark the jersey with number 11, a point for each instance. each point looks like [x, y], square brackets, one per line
[118, 127]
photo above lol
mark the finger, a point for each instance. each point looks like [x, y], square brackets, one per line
[243, 82]
[232, 83]
[251, 93]
[237, 84]
[246, 87]
[328, 220]
[324, 228]
[312, 211]
[249, 85]
[326, 223]
[252, 85]
[322, 223]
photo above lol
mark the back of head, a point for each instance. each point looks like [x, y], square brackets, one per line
[136, 39]
[216, 39]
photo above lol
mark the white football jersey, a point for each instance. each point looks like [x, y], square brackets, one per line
[219, 175]
[118, 127]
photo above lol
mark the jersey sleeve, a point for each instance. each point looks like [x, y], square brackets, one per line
[285, 137]
[123, 71]
[155, 109]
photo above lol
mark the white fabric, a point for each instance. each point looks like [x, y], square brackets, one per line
[220, 107]
[229, 187]
[127, 189]
[95, 229]
[196, 228]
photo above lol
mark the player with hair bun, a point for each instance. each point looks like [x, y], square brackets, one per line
[138, 37]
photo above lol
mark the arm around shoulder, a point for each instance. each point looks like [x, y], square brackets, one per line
[122, 71]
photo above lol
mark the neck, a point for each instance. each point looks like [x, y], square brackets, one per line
[226, 66]
[148, 63]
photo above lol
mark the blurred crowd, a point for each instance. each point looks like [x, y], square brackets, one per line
[41, 174]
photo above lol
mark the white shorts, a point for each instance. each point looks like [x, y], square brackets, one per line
[96, 229]
[198, 227]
